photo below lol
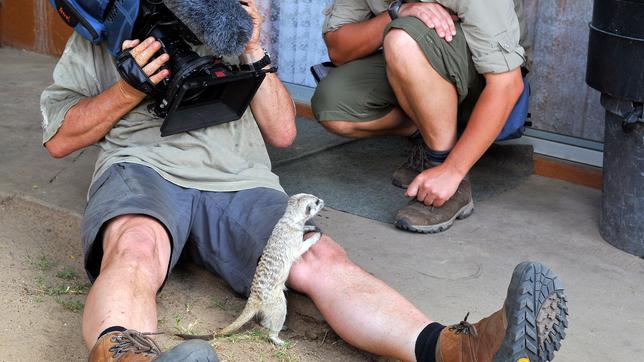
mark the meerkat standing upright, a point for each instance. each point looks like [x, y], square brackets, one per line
[283, 248]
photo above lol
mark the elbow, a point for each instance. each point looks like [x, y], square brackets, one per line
[285, 140]
[336, 57]
[55, 149]
[286, 136]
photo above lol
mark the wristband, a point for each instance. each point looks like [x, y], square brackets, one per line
[394, 9]
[258, 65]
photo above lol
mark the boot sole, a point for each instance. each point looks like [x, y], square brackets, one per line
[463, 213]
[537, 315]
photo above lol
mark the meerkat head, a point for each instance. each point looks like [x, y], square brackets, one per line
[307, 205]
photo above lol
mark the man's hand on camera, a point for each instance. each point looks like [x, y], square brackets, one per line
[254, 47]
[435, 16]
[142, 52]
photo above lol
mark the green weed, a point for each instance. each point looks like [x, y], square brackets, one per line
[67, 274]
[71, 305]
[217, 303]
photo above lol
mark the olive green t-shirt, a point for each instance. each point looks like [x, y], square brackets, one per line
[226, 157]
[495, 30]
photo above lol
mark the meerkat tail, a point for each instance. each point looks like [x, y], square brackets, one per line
[250, 310]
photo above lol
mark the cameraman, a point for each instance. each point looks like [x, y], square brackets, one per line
[408, 69]
[211, 193]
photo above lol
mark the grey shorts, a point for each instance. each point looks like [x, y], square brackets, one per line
[223, 231]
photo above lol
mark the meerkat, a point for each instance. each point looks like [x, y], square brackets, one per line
[284, 247]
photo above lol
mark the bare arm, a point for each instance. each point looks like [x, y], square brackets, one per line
[436, 185]
[272, 106]
[357, 40]
[92, 118]
[490, 113]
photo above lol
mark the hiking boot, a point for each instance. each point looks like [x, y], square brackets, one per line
[529, 327]
[417, 161]
[420, 218]
[133, 346]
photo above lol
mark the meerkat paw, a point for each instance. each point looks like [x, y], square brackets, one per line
[278, 342]
[313, 239]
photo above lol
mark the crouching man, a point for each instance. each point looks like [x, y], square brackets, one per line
[412, 69]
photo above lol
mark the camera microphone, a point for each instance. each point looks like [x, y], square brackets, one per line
[222, 25]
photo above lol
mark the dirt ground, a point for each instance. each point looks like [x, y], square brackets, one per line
[44, 286]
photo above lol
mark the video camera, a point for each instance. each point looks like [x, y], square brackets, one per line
[202, 91]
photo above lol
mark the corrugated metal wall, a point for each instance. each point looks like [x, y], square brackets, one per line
[561, 100]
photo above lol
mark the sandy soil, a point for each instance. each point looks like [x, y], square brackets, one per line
[44, 286]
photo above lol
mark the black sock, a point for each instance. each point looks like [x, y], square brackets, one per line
[437, 157]
[112, 329]
[426, 342]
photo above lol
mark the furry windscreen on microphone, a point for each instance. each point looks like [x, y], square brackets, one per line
[222, 25]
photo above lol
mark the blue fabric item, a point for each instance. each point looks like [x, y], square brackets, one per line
[100, 20]
[515, 125]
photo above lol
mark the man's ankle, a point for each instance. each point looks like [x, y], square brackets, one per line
[436, 157]
[427, 341]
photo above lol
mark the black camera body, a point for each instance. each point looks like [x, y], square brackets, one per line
[201, 91]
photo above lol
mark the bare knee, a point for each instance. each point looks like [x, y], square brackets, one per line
[325, 258]
[341, 128]
[139, 244]
[399, 47]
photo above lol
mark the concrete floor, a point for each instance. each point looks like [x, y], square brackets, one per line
[465, 269]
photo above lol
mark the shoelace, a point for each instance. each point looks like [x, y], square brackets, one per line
[464, 327]
[417, 160]
[136, 342]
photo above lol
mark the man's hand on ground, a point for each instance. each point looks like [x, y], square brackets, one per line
[435, 186]
[435, 16]
[142, 52]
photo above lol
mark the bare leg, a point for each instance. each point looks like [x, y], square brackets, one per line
[362, 309]
[134, 265]
[430, 101]
[393, 123]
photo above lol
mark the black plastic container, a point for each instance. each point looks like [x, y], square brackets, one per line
[616, 49]
[616, 68]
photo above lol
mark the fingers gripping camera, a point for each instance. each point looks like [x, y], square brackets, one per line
[133, 74]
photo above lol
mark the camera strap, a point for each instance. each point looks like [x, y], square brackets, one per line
[133, 74]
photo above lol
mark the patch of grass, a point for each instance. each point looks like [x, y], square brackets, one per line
[252, 335]
[67, 274]
[77, 289]
[215, 302]
[71, 305]
[190, 329]
[62, 293]
[43, 263]
[283, 353]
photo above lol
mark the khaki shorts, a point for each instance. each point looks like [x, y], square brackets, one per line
[359, 91]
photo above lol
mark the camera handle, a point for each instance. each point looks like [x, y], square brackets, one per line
[133, 74]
